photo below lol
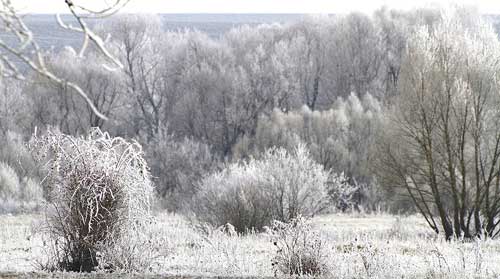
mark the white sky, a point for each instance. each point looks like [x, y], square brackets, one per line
[255, 6]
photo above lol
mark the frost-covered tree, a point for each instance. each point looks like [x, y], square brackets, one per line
[54, 104]
[205, 111]
[339, 138]
[308, 45]
[393, 30]
[177, 165]
[442, 141]
[142, 48]
[12, 107]
[355, 57]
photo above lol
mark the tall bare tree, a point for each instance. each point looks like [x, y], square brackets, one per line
[442, 141]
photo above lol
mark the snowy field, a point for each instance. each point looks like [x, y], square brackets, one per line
[356, 246]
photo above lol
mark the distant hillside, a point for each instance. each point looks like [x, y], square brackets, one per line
[49, 34]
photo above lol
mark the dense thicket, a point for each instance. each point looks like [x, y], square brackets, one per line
[216, 93]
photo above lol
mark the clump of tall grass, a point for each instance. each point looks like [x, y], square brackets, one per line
[299, 249]
[99, 200]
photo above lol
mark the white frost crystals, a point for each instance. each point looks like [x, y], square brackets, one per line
[99, 192]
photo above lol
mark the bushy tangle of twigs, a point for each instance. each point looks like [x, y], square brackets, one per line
[99, 193]
[299, 249]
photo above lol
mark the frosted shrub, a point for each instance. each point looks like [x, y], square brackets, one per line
[340, 138]
[281, 185]
[299, 250]
[342, 192]
[99, 191]
[234, 195]
[296, 184]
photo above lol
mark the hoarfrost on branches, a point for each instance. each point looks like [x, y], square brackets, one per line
[99, 190]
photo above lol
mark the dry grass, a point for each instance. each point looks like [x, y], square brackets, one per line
[371, 246]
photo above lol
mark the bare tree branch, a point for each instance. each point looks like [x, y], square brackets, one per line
[27, 50]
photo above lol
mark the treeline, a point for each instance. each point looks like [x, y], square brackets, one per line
[197, 104]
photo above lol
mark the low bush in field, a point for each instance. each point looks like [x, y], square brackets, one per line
[99, 196]
[279, 186]
[234, 195]
[299, 250]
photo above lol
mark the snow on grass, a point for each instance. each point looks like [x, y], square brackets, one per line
[17, 246]
[357, 246]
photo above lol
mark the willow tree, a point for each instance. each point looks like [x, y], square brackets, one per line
[442, 141]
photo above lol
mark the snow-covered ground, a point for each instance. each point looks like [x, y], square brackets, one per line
[366, 246]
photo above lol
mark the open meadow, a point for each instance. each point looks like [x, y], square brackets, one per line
[355, 246]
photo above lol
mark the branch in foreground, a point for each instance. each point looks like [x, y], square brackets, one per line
[27, 50]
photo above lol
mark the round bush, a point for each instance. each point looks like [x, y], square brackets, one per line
[280, 186]
[234, 195]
